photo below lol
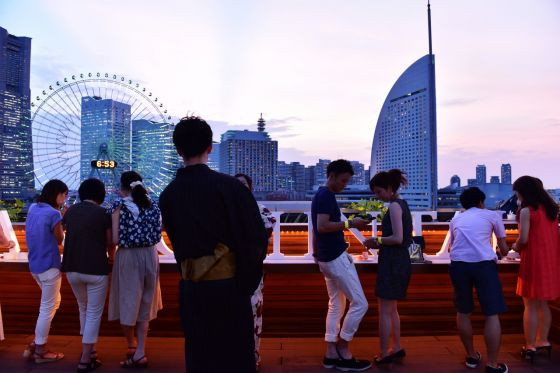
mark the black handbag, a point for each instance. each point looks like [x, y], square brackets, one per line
[416, 249]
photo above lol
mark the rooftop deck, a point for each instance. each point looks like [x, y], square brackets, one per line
[427, 354]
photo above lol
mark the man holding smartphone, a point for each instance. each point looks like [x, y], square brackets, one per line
[338, 268]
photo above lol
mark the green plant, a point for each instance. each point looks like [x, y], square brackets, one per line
[13, 208]
[364, 206]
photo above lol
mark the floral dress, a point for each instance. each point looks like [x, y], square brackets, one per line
[257, 297]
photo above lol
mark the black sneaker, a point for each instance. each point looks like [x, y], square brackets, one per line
[502, 368]
[352, 365]
[399, 354]
[472, 362]
[329, 363]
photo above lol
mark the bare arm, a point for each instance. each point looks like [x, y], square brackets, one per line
[324, 225]
[110, 244]
[524, 225]
[5, 242]
[451, 237]
[504, 249]
[58, 232]
[115, 225]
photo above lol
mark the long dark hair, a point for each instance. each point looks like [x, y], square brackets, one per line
[534, 195]
[393, 178]
[139, 194]
[51, 190]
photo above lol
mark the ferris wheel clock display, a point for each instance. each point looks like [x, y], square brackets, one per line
[99, 125]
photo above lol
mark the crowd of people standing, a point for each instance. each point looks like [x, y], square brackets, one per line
[220, 260]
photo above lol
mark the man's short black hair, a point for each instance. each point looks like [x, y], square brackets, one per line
[340, 166]
[92, 189]
[472, 197]
[192, 136]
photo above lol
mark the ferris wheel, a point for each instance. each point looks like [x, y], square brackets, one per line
[99, 125]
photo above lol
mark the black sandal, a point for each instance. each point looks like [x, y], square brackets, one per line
[87, 367]
[382, 361]
[528, 354]
[130, 363]
[545, 350]
[129, 354]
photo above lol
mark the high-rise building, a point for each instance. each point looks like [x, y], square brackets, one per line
[494, 180]
[367, 176]
[153, 153]
[506, 173]
[320, 177]
[252, 153]
[16, 149]
[359, 173]
[291, 178]
[298, 173]
[481, 174]
[284, 179]
[214, 157]
[471, 182]
[105, 135]
[309, 177]
[406, 131]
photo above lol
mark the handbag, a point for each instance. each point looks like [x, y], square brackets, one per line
[416, 249]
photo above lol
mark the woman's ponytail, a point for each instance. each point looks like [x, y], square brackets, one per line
[132, 181]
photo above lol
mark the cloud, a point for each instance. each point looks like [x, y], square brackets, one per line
[458, 101]
[551, 122]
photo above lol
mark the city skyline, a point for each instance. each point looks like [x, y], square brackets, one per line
[496, 72]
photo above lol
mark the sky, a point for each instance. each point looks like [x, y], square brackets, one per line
[319, 70]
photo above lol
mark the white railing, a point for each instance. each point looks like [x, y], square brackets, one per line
[277, 208]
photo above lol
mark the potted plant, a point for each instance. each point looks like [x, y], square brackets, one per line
[364, 206]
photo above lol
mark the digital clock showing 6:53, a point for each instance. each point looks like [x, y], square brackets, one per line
[103, 164]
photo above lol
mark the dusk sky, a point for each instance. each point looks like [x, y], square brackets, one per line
[319, 70]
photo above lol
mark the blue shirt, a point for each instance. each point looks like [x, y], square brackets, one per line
[329, 246]
[41, 243]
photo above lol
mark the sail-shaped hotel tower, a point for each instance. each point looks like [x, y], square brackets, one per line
[406, 132]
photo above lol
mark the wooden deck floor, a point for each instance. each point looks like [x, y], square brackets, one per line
[425, 354]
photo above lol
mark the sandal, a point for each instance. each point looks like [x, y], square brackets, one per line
[87, 367]
[130, 363]
[528, 353]
[383, 360]
[29, 351]
[130, 354]
[41, 358]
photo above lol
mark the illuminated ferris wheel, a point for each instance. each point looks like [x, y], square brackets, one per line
[99, 125]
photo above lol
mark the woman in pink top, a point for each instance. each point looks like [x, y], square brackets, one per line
[539, 245]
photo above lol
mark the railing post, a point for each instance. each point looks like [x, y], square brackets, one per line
[374, 215]
[309, 254]
[276, 249]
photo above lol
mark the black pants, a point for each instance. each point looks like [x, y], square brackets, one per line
[218, 325]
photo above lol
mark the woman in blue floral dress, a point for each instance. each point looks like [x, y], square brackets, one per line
[135, 296]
